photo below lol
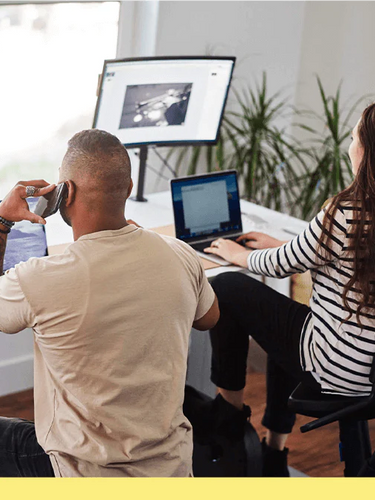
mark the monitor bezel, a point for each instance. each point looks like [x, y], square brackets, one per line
[167, 58]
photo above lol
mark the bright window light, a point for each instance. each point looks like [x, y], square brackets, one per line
[50, 60]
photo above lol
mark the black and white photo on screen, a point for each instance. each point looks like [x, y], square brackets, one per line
[155, 105]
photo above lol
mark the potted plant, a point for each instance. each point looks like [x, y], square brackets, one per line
[329, 164]
[250, 142]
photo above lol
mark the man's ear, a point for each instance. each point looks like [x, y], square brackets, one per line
[71, 194]
[130, 188]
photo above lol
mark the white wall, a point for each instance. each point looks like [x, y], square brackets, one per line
[291, 41]
[264, 36]
[16, 362]
[337, 44]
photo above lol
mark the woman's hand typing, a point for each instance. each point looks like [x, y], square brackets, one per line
[237, 254]
[230, 251]
[259, 241]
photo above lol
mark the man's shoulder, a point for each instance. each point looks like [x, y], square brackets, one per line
[35, 266]
[177, 246]
[181, 248]
[186, 256]
[52, 280]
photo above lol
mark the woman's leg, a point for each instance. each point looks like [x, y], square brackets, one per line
[250, 308]
[230, 345]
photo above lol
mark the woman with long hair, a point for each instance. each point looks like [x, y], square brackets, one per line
[330, 345]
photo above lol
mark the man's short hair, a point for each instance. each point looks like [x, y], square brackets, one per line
[99, 156]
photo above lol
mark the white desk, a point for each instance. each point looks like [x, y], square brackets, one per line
[157, 211]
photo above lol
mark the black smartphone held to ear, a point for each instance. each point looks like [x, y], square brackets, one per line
[50, 203]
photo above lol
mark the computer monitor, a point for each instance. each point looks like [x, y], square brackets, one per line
[24, 241]
[164, 101]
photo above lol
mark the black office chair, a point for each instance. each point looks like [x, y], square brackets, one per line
[352, 413]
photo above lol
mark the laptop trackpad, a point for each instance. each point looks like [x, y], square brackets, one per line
[213, 258]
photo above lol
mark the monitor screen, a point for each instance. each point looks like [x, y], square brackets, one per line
[164, 101]
[24, 241]
[207, 204]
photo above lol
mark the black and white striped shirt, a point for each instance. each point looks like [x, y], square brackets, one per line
[338, 353]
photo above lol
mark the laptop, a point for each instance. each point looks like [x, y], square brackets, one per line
[24, 241]
[206, 207]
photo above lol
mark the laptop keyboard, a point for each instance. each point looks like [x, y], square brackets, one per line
[204, 244]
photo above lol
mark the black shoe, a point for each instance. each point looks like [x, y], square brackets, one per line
[214, 416]
[275, 462]
[368, 468]
[228, 421]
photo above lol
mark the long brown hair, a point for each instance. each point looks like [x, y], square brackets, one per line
[361, 196]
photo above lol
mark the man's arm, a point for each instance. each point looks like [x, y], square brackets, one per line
[15, 311]
[210, 319]
[14, 208]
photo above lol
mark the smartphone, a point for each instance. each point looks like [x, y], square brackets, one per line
[50, 203]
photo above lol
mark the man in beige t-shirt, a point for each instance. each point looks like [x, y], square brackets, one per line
[111, 318]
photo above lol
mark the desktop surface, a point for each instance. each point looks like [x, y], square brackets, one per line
[157, 212]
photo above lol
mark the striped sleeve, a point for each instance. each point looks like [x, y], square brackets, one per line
[303, 252]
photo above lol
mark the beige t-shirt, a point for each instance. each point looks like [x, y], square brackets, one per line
[111, 319]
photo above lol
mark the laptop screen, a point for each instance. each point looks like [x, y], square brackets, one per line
[24, 241]
[206, 205]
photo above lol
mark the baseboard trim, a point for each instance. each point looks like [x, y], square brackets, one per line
[16, 374]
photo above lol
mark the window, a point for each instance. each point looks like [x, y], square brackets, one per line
[50, 60]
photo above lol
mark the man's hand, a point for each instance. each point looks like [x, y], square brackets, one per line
[230, 251]
[14, 206]
[259, 241]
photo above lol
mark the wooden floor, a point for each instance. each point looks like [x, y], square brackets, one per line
[315, 454]
[19, 405]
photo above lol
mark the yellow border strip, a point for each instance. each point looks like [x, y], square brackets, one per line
[187, 489]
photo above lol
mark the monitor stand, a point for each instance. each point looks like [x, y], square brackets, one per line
[141, 174]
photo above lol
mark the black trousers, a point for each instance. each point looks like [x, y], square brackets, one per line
[20, 453]
[250, 308]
